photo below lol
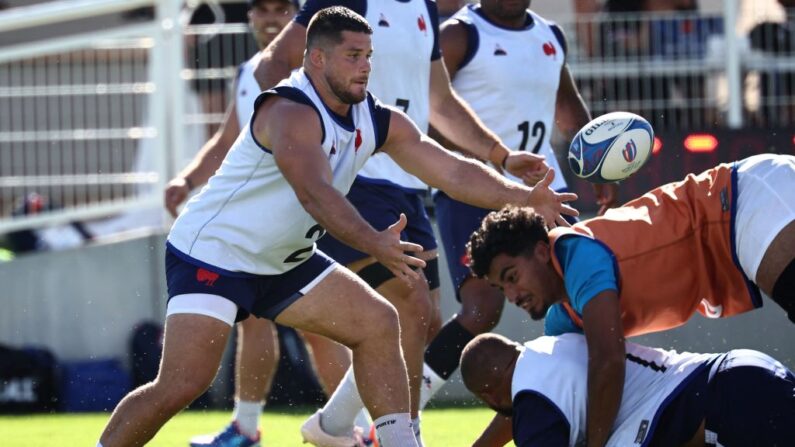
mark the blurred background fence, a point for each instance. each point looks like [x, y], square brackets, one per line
[91, 119]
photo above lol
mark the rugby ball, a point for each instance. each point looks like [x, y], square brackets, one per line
[611, 147]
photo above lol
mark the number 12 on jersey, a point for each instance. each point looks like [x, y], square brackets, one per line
[539, 130]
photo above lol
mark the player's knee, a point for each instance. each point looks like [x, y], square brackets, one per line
[420, 304]
[481, 306]
[382, 322]
[476, 323]
[179, 391]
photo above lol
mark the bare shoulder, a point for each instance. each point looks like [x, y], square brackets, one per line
[280, 118]
[454, 35]
[454, 29]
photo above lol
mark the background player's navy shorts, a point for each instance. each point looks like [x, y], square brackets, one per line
[380, 206]
[751, 402]
[457, 221]
[260, 295]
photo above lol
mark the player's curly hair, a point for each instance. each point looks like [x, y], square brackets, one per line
[511, 231]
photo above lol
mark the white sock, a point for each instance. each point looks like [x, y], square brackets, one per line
[431, 384]
[363, 421]
[394, 430]
[340, 411]
[247, 415]
[415, 424]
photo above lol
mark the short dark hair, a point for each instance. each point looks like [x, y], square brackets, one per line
[327, 25]
[484, 358]
[511, 231]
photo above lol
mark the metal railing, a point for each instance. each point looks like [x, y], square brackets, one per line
[98, 121]
[76, 111]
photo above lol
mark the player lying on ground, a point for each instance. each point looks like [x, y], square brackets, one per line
[739, 398]
[708, 243]
[246, 243]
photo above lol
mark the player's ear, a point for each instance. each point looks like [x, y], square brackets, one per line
[317, 56]
[541, 251]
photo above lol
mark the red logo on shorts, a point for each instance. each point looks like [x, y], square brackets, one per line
[206, 276]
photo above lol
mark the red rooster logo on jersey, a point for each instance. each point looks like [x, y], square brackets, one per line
[422, 25]
[358, 141]
[549, 49]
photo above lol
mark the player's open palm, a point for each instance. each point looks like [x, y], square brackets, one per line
[550, 204]
[526, 165]
[395, 254]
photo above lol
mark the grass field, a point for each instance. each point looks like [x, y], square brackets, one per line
[449, 427]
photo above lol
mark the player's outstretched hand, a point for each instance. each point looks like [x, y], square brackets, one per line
[177, 191]
[394, 254]
[551, 204]
[527, 166]
[606, 195]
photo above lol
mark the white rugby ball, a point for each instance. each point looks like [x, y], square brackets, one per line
[611, 147]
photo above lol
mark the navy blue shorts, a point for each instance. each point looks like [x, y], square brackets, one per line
[457, 221]
[263, 296]
[751, 401]
[380, 206]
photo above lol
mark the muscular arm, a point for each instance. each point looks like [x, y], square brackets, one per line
[454, 42]
[456, 121]
[281, 56]
[304, 165]
[213, 152]
[571, 114]
[205, 163]
[606, 364]
[466, 180]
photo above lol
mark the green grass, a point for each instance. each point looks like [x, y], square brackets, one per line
[447, 427]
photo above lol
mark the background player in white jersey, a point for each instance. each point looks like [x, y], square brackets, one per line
[408, 73]
[246, 243]
[509, 64]
[258, 347]
[739, 398]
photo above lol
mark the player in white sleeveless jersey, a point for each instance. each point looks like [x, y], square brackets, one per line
[509, 64]
[258, 344]
[739, 398]
[408, 73]
[246, 243]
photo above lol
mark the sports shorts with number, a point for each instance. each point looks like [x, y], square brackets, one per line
[247, 220]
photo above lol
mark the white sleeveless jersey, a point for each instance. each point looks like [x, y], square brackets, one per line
[403, 40]
[511, 82]
[248, 218]
[246, 90]
[557, 368]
